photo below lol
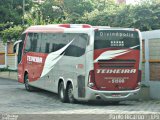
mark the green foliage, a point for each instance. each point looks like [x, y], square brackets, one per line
[11, 10]
[34, 17]
[4, 26]
[75, 9]
[144, 16]
[11, 33]
[102, 5]
[51, 11]
[78, 7]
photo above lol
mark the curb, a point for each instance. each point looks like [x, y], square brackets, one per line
[9, 75]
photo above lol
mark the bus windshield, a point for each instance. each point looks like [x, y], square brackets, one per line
[116, 39]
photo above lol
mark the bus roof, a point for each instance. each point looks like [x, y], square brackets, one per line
[56, 27]
[61, 28]
[113, 28]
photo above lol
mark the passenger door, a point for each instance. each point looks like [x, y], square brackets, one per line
[20, 59]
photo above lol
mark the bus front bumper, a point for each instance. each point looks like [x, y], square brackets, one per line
[110, 95]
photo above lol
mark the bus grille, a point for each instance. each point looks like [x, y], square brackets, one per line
[116, 63]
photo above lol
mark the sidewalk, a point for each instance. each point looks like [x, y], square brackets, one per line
[9, 75]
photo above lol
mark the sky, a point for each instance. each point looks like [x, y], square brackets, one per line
[132, 1]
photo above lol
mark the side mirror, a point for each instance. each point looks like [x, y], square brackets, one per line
[15, 46]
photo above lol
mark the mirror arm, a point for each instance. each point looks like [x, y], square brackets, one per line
[15, 45]
[17, 42]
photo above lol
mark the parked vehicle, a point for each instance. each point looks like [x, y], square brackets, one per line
[81, 62]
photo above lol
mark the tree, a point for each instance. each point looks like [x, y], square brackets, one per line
[102, 5]
[75, 9]
[52, 11]
[11, 33]
[11, 10]
[103, 14]
[144, 16]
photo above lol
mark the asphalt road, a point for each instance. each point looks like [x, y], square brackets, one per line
[14, 99]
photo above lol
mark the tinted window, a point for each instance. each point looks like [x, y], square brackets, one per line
[51, 42]
[116, 39]
[47, 48]
[78, 46]
[31, 43]
[39, 43]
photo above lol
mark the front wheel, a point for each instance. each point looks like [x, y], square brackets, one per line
[26, 83]
[70, 96]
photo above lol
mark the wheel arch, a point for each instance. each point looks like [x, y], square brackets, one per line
[66, 83]
[69, 81]
[61, 79]
[25, 73]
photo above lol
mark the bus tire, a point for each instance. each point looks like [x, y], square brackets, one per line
[70, 96]
[26, 83]
[62, 92]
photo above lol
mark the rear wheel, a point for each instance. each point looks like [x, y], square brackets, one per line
[26, 83]
[62, 93]
[70, 96]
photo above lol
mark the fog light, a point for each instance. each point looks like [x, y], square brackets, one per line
[139, 83]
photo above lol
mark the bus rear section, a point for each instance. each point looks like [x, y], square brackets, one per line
[117, 64]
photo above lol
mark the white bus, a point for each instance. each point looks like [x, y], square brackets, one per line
[81, 62]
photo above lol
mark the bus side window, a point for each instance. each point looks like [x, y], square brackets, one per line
[52, 42]
[47, 48]
[34, 42]
[31, 44]
[28, 42]
[54, 47]
[78, 46]
[43, 41]
[39, 42]
[52, 50]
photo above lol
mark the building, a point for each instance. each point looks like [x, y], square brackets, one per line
[151, 62]
[7, 58]
[3, 56]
